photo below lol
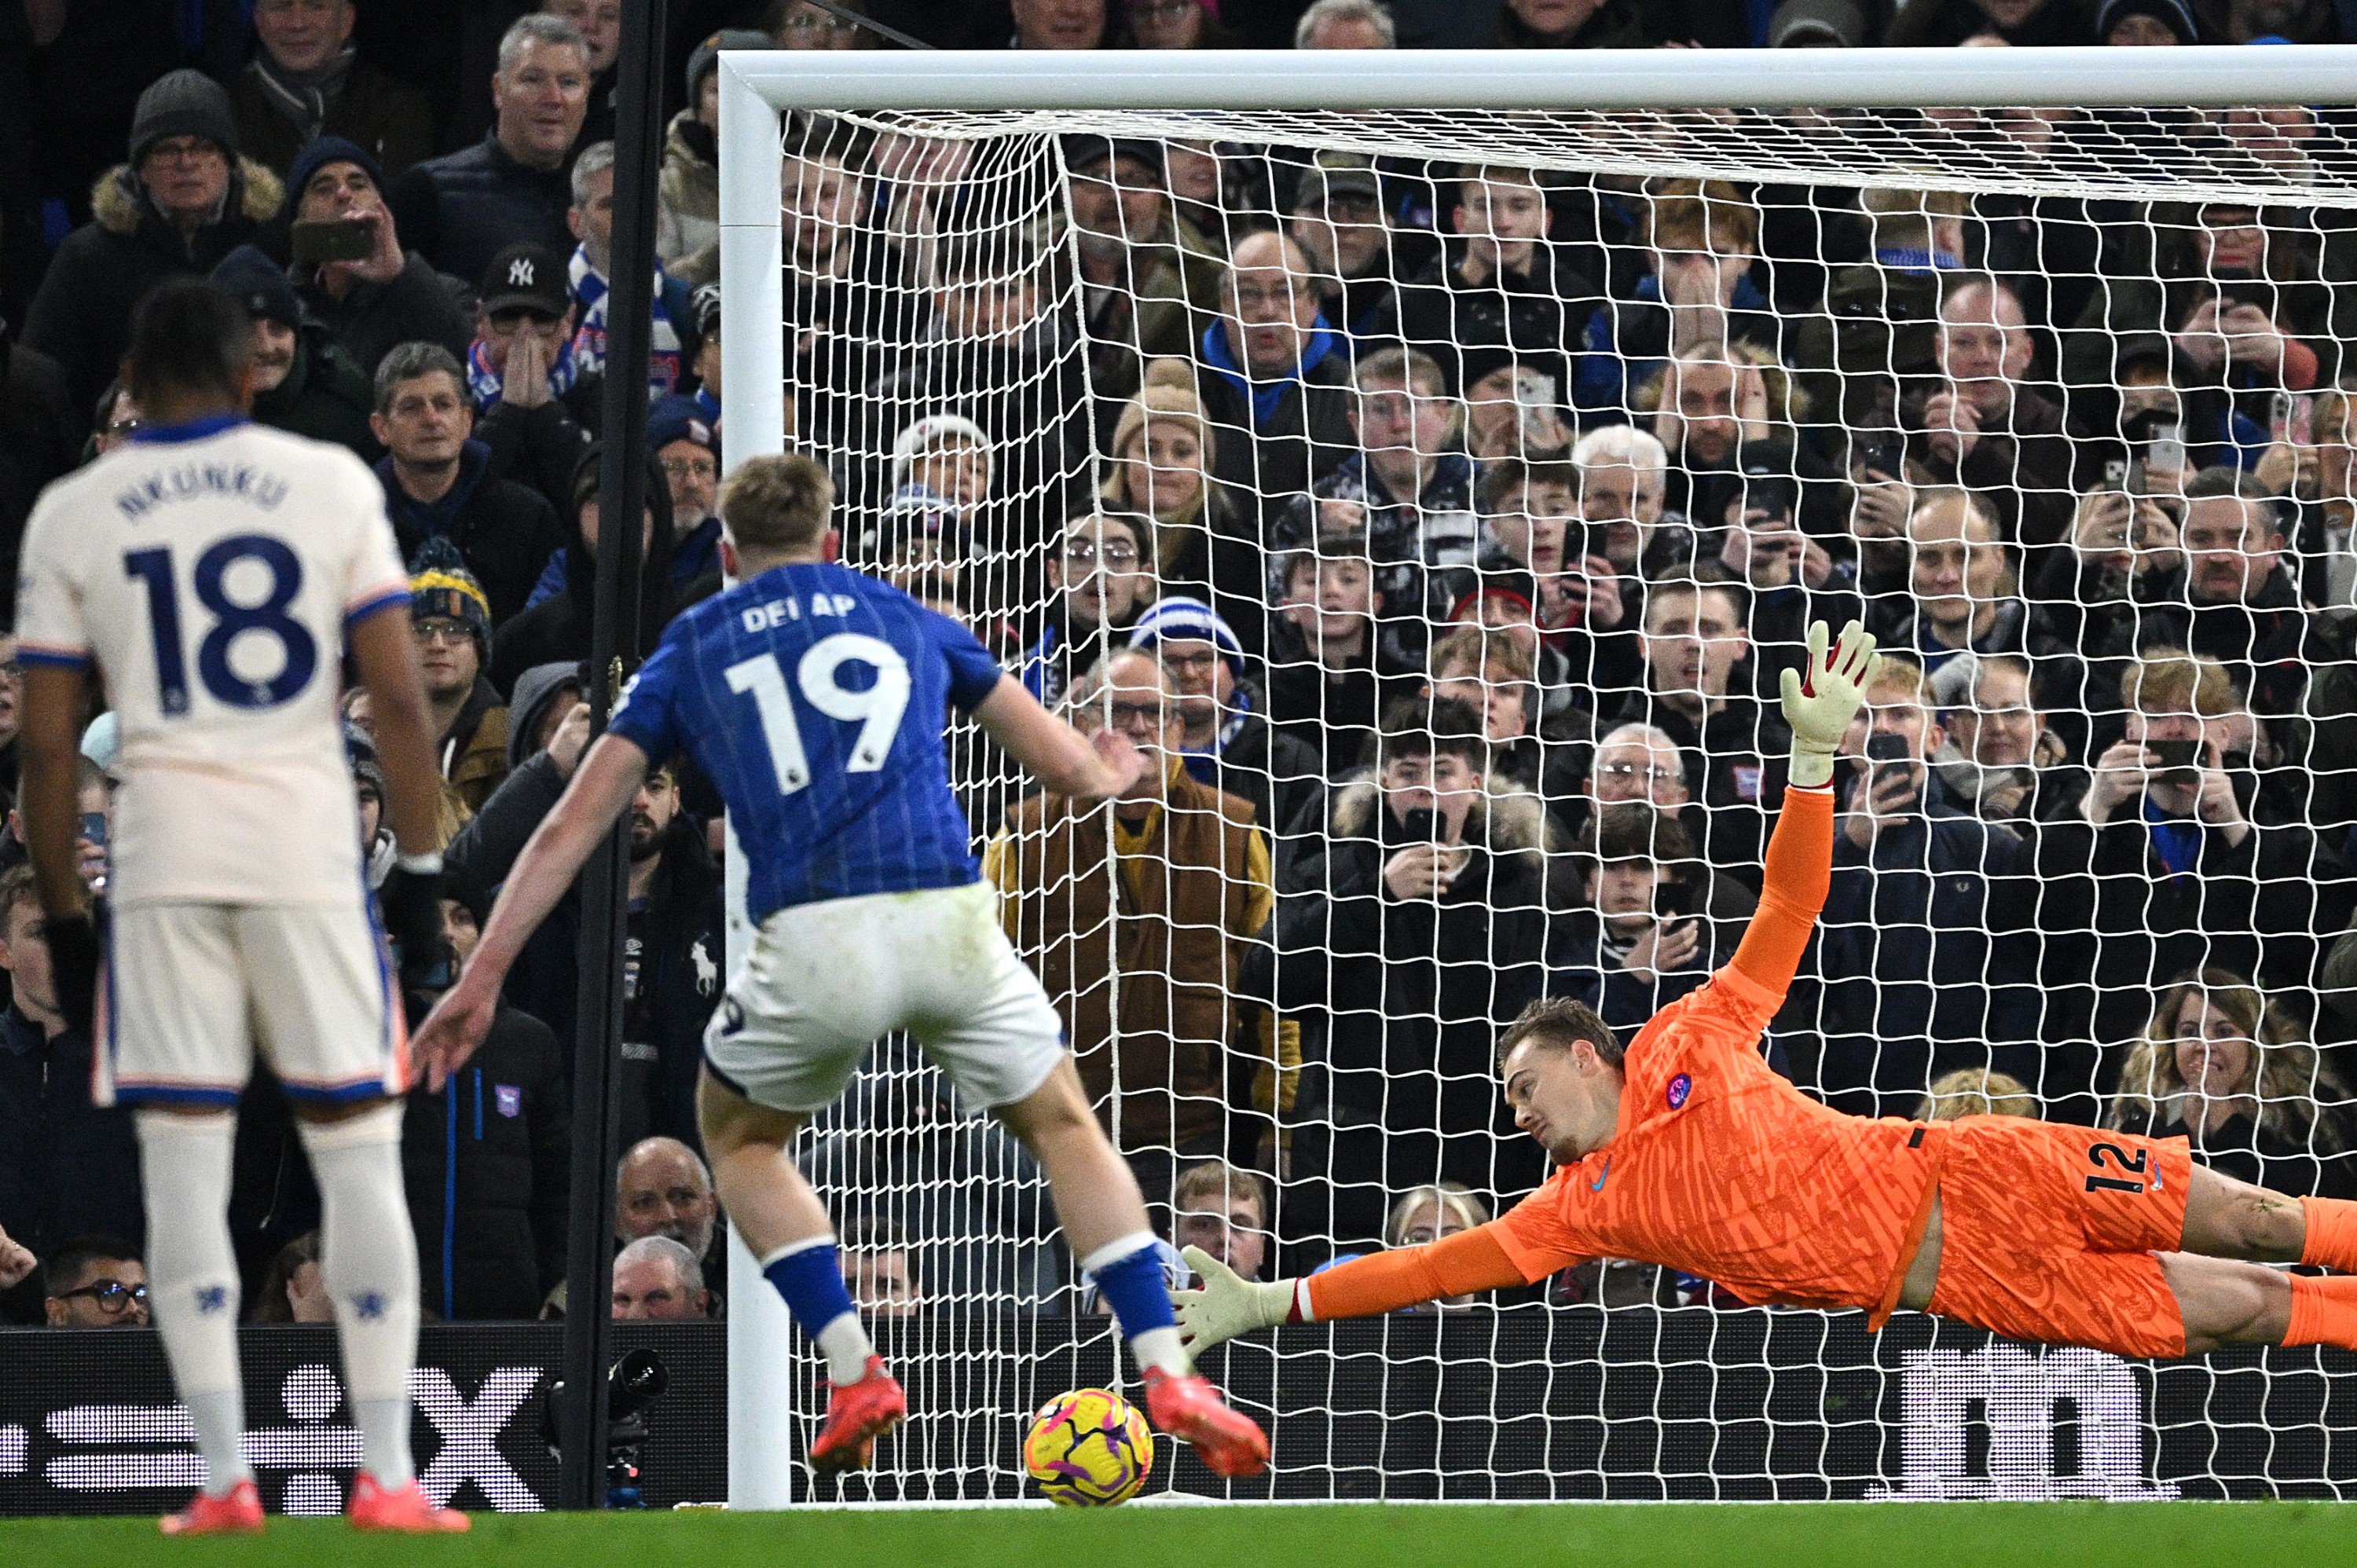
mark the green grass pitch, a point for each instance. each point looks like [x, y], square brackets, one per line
[1832, 1535]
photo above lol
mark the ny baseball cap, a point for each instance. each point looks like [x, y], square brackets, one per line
[527, 278]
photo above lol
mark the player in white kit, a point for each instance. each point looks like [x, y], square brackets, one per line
[209, 574]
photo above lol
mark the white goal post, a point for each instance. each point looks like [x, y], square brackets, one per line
[1320, 96]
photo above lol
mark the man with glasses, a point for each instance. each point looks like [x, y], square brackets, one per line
[803, 26]
[451, 622]
[1225, 741]
[183, 201]
[1198, 892]
[1273, 368]
[1637, 762]
[95, 1282]
[687, 450]
[1338, 221]
[1100, 577]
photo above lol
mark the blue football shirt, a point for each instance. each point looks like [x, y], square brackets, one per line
[817, 701]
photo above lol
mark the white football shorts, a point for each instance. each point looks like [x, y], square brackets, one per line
[824, 981]
[190, 989]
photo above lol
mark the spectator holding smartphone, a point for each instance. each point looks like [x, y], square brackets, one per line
[1637, 942]
[2230, 310]
[2160, 867]
[1416, 927]
[1927, 949]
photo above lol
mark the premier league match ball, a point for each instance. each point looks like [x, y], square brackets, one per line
[1089, 1449]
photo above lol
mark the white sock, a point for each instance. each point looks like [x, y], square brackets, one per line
[1160, 1347]
[192, 1285]
[846, 1347]
[368, 1259]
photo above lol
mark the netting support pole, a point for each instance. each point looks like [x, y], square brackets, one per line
[613, 653]
[763, 1358]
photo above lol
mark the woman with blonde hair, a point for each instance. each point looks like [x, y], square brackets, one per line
[2225, 1068]
[1424, 1214]
[1160, 466]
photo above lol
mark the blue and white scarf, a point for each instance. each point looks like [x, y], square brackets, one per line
[591, 288]
[483, 381]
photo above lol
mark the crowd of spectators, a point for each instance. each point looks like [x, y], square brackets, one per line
[1438, 530]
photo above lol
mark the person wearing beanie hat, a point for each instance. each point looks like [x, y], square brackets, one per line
[307, 80]
[689, 187]
[1817, 25]
[1228, 743]
[451, 620]
[183, 200]
[686, 450]
[302, 382]
[393, 297]
[2132, 23]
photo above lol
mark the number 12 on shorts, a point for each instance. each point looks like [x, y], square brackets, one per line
[877, 709]
[2111, 1157]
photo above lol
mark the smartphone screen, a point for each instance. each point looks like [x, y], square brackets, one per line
[1674, 896]
[331, 240]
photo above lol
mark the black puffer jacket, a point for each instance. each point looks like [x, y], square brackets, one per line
[488, 1164]
[675, 954]
[505, 530]
[82, 317]
[464, 207]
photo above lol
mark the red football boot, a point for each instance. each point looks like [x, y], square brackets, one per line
[405, 1511]
[1190, 1409]
[237, 1511]
[856, 1416]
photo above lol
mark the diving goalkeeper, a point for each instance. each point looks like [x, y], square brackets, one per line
[1689, 1151]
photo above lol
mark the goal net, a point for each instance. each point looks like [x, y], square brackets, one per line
[1436, 493]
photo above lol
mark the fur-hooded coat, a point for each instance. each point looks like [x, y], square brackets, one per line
[1415, 990]
[82, 317]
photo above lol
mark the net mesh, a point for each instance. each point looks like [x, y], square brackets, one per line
[1473, 477]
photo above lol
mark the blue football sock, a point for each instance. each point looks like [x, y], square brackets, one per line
[1129, 1276]
[810, 1276]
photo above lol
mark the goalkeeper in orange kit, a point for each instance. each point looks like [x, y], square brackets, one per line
[1688, 1151]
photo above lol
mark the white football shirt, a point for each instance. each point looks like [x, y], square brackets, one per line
[208, 572]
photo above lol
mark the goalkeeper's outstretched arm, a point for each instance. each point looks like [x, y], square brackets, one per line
[1467, 1263]
[1819, 707]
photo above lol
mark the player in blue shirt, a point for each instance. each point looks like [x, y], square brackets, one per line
[817, 700]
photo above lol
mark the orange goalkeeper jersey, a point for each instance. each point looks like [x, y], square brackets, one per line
[1719, 1166]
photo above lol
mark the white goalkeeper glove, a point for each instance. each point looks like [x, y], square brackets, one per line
[1228, 1304]
[1819, 707]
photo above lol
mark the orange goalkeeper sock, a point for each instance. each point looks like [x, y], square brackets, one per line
[2331, 1241]
[2323, 1312]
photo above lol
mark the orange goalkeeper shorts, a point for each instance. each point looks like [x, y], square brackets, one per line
[2048, 1233]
